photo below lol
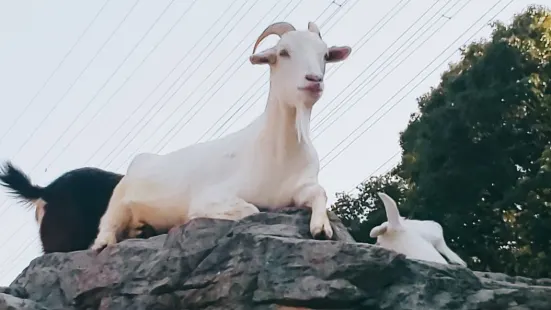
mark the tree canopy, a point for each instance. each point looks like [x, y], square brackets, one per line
[476, 157]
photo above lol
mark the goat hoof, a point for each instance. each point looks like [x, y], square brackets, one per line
[103, 241]
[321, 229]
[135, 233]
[98, 249]
[320, 235]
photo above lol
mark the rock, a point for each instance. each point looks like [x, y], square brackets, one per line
[265, 261]
[10, 302]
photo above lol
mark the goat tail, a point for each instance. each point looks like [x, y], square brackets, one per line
[18, 183]
[392, 213]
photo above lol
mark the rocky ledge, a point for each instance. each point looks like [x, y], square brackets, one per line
[265, 261]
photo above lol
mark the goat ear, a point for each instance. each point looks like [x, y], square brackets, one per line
[265, 57]
[377, 231]
[391, 209]
[338, 53]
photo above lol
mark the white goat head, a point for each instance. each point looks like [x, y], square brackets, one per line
[297, 62]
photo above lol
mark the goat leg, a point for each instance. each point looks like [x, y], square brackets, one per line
[312, 195]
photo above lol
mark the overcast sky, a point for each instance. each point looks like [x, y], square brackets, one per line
[158, 75]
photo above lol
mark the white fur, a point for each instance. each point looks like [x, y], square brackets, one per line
[416, 239]
[39, 211]
[270, 163]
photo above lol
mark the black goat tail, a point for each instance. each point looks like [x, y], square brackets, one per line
[18, 183]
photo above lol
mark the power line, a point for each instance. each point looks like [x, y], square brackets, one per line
[329, 74]
[263, 76]
[144, 124]
[55, 71]
[215, 83]
[364, 131]
[204, 103]
[24, 248]
[74, 82]
[56, 105]
[18, 254]
[350, 105]
[36, 237]
[120, 65]
[132, 50]
[380, 26]
[205, 93]
[404, 88]
[375, 171]
[187, 10]
[185, 56]
[323, 12]
[382, 65]
[329, 28]
[165, 10]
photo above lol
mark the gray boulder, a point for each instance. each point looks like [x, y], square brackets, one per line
[265, 261]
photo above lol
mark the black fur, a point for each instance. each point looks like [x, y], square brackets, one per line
[75, 202]
[18, 183]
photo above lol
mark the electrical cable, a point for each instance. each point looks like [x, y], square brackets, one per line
[394, 105]
[55, 71]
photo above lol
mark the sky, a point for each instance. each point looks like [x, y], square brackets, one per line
[93, 83]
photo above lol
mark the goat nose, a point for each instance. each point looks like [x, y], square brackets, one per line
[314, 78]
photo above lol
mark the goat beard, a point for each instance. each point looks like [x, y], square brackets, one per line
[302, 123]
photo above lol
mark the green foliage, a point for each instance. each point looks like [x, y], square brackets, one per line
[477, 156]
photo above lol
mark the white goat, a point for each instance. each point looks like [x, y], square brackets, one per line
[271, 162]
[416, 239]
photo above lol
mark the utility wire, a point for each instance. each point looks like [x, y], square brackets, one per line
[160, 107]
[141, 104]
[350, 105]
[382, 22]
[74, 82]
[394, 105]
[56, 105]
[17, 255]
[205, 93]
[111, 76]
[97, 93]
[258, 89]
[213, 84]
[98, 112]
[55, 71]
[375, 171]
[22, 251]
[401, 48]
[316, 125]
[323, 12]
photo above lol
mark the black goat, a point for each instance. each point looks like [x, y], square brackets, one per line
[69, 209]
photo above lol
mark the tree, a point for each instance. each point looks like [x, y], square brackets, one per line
[476, 157]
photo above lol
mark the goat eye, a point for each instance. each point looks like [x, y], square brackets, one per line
[284, 53]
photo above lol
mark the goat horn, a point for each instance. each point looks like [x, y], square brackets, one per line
[279, 28]
[314, 28]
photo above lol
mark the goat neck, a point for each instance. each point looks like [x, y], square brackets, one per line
[286, 125]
